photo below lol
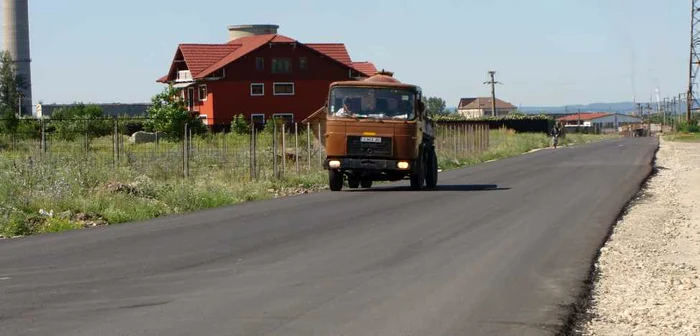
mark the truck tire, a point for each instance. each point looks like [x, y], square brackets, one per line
[335, 180]
[418, 175]
[431, 171]
[366, 184]
[353, 182]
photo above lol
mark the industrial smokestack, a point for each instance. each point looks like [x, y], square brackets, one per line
[16, 34]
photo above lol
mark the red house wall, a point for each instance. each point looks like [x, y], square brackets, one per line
[231, 96]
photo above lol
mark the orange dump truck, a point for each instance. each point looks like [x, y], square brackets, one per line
[377, 130]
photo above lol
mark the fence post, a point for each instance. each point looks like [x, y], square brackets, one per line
[274, 148]
[296, 146]
[115, 142]
[185, 153]
[454, 140]
[86, 135]
[283, 155]
[250, 150]
[488, 138]
[43, 136]
[308, 147]
[320, 146]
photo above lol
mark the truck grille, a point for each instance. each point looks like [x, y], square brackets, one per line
[356, 147]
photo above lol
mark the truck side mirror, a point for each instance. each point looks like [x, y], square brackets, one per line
[421, 106]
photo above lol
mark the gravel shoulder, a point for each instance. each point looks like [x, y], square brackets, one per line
[648, 281]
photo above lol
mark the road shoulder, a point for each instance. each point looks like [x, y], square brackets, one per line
[647, 273]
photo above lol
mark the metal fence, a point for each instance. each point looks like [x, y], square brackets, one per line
[270, 152]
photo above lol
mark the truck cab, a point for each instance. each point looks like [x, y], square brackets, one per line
[377, 130]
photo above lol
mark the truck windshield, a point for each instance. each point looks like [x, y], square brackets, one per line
[372, 103]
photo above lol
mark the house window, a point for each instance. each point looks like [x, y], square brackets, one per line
[203, 92]
[257, 120]
[257, 89]
[303, 63]
[283, 89]
[260, 63]
[218, 74]
[281, 65]
[190, 98]
[204, 118]
[286, 118]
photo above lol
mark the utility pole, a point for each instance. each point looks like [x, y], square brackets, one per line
[694, 65]
[579, 118]
[493, 83]
[649, 109]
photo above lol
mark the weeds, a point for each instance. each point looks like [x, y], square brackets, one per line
[72, 189]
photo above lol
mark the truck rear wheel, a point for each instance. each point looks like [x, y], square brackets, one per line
[353, 183]
[431, 174]
[418, 175]
[366, 184]
[335, 180]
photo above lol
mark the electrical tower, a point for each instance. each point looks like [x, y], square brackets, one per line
[692, 94]
[493, 83]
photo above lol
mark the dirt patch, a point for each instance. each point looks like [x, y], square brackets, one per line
[647, 275]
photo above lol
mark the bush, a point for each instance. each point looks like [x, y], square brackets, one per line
[689, 126]
[68, 123]
[239, 125]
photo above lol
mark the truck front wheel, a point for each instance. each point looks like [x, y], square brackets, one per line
[335, 180]
[418, 174]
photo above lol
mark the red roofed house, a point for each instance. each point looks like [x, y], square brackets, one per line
[260, 74]
[599, 120]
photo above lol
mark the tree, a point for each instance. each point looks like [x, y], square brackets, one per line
[435, 106]
[168, 114]
[10, 85]
[71, 121]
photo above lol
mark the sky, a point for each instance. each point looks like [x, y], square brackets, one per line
[545, 52]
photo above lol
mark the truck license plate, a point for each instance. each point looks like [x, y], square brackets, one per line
[371, 139]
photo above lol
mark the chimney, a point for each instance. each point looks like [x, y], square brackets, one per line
[238, 31]
[16, 38]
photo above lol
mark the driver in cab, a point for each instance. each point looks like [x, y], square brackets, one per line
[345, 110]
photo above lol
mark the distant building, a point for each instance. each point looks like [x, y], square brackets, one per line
[108, 110]
[481, 107]
[599, 120]
[260, 74]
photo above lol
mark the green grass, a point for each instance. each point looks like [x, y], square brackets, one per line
[683, 137]
[67, 189]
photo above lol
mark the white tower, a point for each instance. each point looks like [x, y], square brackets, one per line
[16, 41]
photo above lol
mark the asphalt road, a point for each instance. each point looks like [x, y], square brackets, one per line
[499, 249]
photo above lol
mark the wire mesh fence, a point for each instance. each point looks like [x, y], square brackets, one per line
[273, 151]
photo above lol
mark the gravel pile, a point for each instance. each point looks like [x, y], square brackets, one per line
[649, 282]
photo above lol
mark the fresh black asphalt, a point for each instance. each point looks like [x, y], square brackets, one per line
[501, 248]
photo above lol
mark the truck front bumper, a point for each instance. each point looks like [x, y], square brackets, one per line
[368, 164]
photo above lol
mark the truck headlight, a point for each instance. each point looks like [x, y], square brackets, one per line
[403, 165]
[335, 164]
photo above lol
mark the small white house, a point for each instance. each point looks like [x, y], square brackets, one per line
[599, 120]
[481, 107]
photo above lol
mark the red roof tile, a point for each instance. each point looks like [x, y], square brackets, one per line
[245, 46]
[204, 59]
[366, 68]
[201, 56]
[333, 50]
[585, 116]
